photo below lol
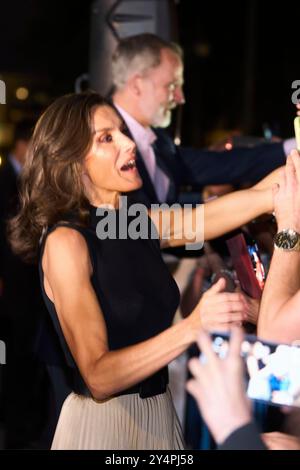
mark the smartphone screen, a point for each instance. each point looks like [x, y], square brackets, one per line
[272, 371]
[247, 264]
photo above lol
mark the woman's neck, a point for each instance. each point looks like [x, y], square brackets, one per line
[106, 199]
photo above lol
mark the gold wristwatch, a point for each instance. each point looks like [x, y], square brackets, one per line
[287, 240]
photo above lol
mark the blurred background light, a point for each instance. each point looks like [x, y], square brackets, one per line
[22, 93]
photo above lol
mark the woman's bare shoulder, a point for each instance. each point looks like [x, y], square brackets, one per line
[67, 237]
[67, 249]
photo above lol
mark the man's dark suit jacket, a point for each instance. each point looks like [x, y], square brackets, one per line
[188, 166]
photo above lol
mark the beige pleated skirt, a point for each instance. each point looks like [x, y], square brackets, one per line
[127, 422]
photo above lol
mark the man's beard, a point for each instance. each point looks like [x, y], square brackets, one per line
[162, 118]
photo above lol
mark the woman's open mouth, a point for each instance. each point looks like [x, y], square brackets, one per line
[129, 166]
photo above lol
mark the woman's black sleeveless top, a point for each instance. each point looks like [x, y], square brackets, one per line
[136, 292]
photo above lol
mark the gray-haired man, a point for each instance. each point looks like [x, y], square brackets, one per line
[148, 78]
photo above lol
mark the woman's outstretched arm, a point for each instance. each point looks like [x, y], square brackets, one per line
[235, 209]
[182, 226]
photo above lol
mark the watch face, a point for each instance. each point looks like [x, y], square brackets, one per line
[286, 240]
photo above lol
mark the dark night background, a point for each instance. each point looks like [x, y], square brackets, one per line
[49, 39]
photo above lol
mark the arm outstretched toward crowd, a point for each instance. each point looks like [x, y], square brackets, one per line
[235, 209]
[216, 217]
[270, 180]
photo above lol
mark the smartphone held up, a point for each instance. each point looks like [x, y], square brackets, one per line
[272, 371]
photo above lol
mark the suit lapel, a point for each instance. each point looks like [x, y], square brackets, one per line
[148, 187]
[161, 162]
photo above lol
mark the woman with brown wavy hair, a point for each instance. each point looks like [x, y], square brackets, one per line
[111, 300]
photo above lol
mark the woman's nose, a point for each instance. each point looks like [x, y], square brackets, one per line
[127, 143]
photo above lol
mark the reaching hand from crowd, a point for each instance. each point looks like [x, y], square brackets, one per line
[287, 195]
[218, 387]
